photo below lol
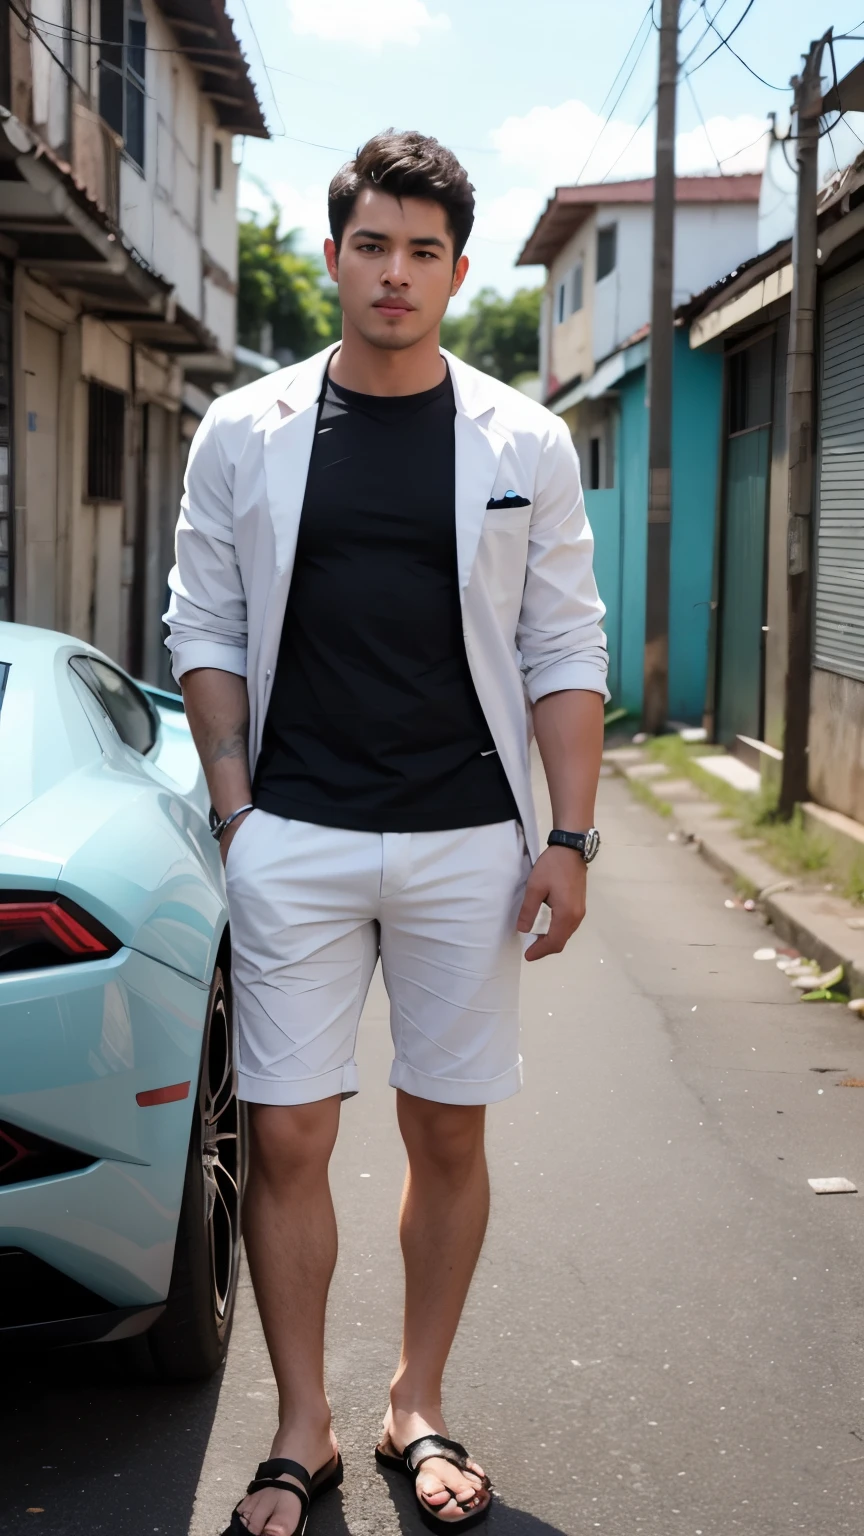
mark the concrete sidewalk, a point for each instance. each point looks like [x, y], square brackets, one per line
[819, 923]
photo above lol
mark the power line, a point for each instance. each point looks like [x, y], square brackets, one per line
[701, 38]
[649, 17]
[622, 152]
[723, 40]
[703, 122]
[726, 44]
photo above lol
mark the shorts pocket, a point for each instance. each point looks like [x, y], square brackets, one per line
[239, 838]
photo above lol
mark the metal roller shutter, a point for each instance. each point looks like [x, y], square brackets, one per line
[839, 628]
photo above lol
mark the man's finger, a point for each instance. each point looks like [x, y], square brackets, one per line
[534, 898]
[560, 930]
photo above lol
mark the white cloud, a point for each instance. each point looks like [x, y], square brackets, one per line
[505, 219]
[366, 23]
[553, 144]
[303, 208]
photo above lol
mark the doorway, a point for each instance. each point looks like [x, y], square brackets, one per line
[740, 703]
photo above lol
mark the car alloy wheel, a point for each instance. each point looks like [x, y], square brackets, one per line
[219, 1119]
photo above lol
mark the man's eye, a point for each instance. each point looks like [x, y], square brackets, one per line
[370, 246]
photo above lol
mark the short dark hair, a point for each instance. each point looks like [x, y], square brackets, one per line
[405, 165]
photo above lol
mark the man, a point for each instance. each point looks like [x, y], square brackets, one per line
[382, 557]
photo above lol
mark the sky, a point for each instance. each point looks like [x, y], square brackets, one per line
[524, 91]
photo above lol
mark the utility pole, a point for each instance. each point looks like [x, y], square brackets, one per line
[656, 685]
[799, 430]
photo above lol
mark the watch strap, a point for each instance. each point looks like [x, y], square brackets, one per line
[586, 844]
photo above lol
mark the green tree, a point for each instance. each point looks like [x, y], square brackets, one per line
[284, 288]
[496, 334]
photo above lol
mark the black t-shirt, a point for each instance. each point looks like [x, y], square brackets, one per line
[374, 723]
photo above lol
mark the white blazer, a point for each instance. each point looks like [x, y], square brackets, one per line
[530, 610]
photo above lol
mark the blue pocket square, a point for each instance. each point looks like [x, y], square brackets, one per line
[510, 499]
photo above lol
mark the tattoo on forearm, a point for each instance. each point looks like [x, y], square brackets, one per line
[227, 746]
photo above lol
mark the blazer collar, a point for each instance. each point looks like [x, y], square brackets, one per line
[471, 388]
[479, 444]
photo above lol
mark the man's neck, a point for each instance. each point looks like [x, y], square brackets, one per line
[380, 371]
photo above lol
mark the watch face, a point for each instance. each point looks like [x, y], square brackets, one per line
[592, 844]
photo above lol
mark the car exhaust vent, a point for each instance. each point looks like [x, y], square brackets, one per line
[34, 1292]
[45, 930]
[25, 1156]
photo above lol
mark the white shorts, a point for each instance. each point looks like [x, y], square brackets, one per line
[313, 907]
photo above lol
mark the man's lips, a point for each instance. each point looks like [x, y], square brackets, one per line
[393, 306]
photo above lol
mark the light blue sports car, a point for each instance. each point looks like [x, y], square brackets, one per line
[121, 1141]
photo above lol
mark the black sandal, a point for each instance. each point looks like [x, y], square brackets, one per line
[426, 1449]
[305, 1489]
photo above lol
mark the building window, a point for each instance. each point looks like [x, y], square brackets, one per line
[750, 382]
[106, 443]
[217, 165]
[122, 52]
[561, 303]
[576, 300]
[607, 243]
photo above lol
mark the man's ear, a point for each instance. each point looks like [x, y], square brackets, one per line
[460, 272]
[331, 257]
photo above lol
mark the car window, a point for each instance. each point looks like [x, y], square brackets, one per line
[4, 673]
[129, 710]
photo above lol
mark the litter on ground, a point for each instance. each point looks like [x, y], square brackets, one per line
[833, 1186]
[764, 954]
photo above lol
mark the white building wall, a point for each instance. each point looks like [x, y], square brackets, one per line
[711, 240]
[622, 300]
[171, 213]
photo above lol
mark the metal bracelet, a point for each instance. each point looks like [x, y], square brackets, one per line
[223, 826]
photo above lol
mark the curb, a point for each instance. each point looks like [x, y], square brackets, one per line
[813, 922]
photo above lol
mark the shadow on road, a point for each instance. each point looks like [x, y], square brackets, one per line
[90, 1446]
[503, 1520]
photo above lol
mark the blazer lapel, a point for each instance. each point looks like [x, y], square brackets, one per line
[478, 449]
[289, 433]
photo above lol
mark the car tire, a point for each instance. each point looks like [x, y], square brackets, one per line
[190, 1339]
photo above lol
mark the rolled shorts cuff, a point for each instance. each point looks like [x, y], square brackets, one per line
[341, 1082]
[443, 1090]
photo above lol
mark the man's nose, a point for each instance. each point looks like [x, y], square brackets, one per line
[397, 273]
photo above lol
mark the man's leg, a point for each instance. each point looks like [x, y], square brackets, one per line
[445, 1207]
[289, 1228]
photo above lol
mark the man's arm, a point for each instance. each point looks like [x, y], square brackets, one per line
[217, 708]
[569, 731]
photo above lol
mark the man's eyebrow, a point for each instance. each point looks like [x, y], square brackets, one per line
[374, 234]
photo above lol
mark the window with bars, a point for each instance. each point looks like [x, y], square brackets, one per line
[106, 440]
[122, 52]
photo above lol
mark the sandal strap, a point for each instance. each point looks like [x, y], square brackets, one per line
[430, 1446]
[279, 1464]
[268, 1476]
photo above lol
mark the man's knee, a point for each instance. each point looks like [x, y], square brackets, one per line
[292, 1140]
[448, 1138]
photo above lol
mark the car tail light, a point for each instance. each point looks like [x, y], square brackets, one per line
[37, 931]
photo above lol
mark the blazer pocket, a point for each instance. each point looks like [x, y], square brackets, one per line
[506, 503]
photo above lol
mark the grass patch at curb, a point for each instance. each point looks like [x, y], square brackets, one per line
[790, 845]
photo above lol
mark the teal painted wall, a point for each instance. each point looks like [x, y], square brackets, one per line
[697, 405]
[696, 411]
[604, 515]
[633, 482]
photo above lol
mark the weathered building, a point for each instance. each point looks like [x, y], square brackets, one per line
[118, 268]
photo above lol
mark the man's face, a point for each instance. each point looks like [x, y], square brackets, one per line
[395, 268]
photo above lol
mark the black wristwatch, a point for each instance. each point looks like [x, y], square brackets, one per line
[586, 844]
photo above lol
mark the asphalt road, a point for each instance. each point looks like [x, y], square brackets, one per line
[665, 1330]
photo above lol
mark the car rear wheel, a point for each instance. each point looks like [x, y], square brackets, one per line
[191, 1337]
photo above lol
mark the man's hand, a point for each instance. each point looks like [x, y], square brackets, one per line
[559, 878]
[228, 836]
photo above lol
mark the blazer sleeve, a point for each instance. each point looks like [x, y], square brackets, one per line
[207, 610]
[559, 634]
